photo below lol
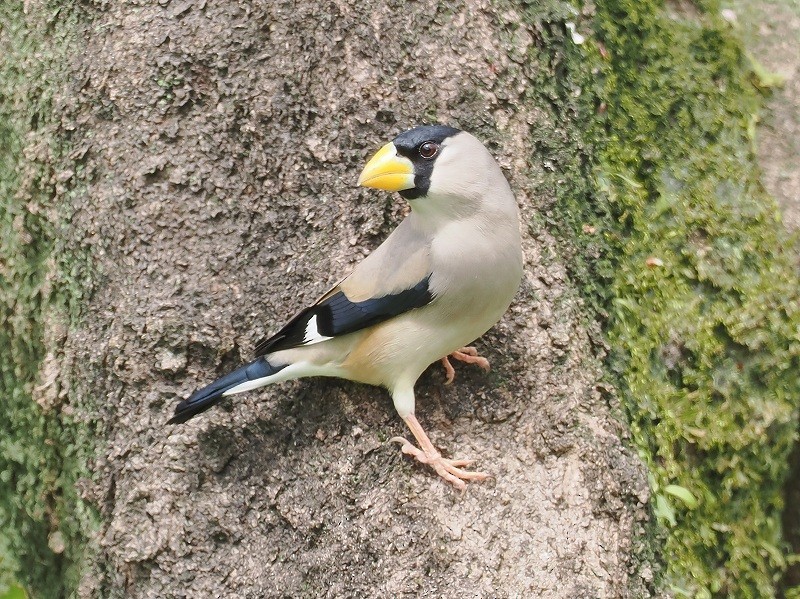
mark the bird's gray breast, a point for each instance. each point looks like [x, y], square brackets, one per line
[476, 272]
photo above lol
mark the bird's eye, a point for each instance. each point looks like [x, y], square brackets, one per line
[429, 149]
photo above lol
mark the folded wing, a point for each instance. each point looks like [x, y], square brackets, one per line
[335, 314]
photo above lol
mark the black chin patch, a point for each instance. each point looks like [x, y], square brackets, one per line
[408, 144]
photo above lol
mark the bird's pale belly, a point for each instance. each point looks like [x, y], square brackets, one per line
[402, 348]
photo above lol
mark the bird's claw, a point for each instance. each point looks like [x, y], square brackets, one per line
[448, 469]
[467, 354]
[449, 371]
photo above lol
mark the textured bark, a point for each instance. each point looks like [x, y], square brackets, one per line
[219, 145]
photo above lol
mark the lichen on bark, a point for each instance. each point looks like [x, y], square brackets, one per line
[44, 442]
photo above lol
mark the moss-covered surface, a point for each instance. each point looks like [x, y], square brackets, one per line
[695, 275]
[42, 452]
[570, 86]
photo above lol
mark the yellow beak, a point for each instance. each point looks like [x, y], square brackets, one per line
[386, 170]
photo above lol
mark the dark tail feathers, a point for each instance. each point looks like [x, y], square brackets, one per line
[204, 398]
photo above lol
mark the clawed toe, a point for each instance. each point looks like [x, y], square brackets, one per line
[450, 470]
[467, 354]
[449, 371]
[470, 356]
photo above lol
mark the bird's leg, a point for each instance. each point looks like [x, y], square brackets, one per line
[450, 470]
[465, 354]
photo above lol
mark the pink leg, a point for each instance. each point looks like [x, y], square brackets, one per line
[450, 470]
[465, 354]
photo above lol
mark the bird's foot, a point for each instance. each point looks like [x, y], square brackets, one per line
[465, 354]
[450, 470]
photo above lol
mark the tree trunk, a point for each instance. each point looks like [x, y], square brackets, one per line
[208, 180]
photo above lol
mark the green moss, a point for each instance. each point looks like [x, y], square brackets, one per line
[564, 86]
[14, 593]
[42, 452]
[692, 273]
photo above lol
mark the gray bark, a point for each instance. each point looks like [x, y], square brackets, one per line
[220, 144]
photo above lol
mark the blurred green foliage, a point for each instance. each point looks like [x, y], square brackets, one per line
[14, 592]
[695, 278]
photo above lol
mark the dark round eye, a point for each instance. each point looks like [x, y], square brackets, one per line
[429, 149]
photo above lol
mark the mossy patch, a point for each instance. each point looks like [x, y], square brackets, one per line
[42, 451]
[694, 278]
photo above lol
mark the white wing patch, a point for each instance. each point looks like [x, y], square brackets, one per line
[312, 333]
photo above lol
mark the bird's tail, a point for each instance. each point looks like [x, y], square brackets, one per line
[255, 374]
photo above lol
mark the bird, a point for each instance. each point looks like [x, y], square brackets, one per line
[445, 275]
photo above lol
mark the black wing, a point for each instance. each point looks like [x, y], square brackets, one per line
[336, 315]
